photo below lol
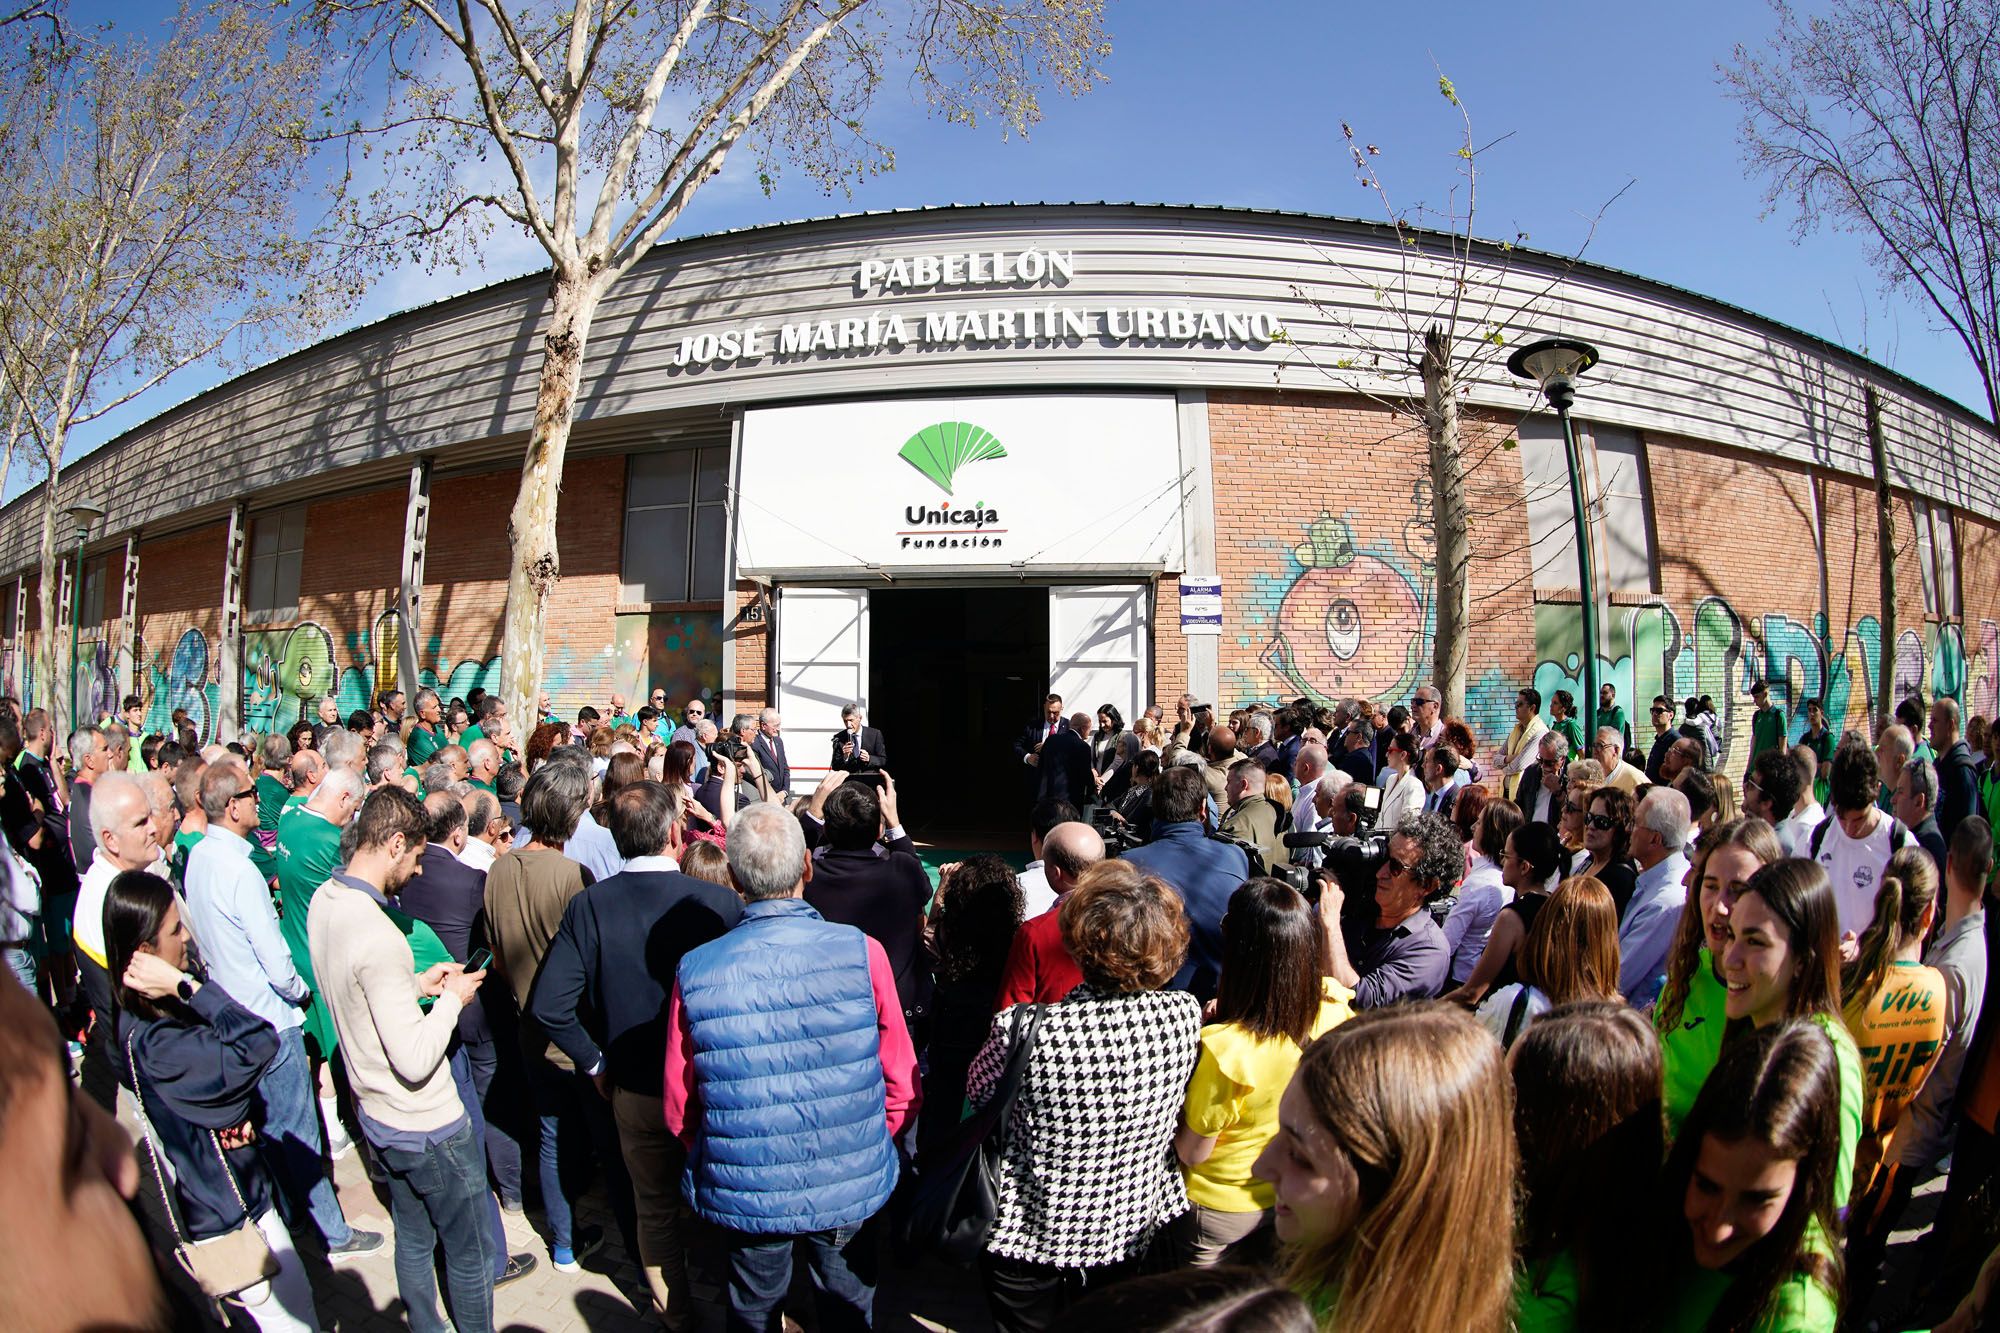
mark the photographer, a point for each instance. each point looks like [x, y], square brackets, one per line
[1403, 955]
[733, 768]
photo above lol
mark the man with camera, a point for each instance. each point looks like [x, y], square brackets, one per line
[1403, 955]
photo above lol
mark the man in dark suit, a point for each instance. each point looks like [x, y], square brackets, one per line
[1028, 749]
[1540, 794]
[858, 747]
[770, 750]
[1065, 767]
[602, 998]
[880, 890]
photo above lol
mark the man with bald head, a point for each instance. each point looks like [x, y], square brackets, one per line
[483, 764]
[1063, 769]
[306, 768]
[1039, 969]
[122, 839]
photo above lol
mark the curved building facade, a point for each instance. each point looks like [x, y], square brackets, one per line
[941, 461]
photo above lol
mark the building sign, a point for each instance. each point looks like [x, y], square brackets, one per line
[1025, 320]
[1201, 605]
[1045, 482]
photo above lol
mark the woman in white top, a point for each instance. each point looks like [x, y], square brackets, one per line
[1402, 789]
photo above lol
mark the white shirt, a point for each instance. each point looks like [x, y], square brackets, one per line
[478, 853]
[1544, 795]
[87, 923]
[21, 899]
[1855, 866]
[1795, 831]
[1035, 891]
[593, 848]
[1651, 917]
[1480, 899]
[1401, 796]
[1499, 1007]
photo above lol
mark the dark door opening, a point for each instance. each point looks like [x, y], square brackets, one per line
[954, 675]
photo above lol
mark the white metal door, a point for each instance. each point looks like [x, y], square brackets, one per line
[822, 667]
[1097, 647]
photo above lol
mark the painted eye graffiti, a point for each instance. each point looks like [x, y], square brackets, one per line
[1343, 628]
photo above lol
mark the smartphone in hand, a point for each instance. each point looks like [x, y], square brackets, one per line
[481, 960]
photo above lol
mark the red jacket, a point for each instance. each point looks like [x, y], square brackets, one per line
[1039, 969]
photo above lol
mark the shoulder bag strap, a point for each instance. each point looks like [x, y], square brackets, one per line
[1514, 1016]
[1021, 1036]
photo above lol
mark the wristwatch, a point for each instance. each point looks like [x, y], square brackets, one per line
[185, 988]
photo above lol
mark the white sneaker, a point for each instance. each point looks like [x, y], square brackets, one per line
[338, 1144]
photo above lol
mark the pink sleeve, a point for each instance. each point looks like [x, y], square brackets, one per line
[899, 1055]
[677, 1091]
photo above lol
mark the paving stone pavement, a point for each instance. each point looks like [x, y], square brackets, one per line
[610, 1294]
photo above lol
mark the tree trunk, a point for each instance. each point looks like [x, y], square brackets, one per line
[1885, 546]
[1448, 516]
[49, 670]
[531, 529]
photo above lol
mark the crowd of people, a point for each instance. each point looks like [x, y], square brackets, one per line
[1317, 1015]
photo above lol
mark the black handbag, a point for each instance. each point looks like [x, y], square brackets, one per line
[955, 1202]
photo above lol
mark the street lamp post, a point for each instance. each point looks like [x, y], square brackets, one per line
[1554, 363]
[83, 515]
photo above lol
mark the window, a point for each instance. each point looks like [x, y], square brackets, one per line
[1615, 482]
[1624, 536]
[277, 551]
[92, 613]
[676, 526]
[1937, 558]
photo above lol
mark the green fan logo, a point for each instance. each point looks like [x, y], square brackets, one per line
[940, 451]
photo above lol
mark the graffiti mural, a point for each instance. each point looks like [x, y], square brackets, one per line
[680, 653]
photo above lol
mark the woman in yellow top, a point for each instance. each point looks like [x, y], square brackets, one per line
[1895, 1009]
[1273, 998]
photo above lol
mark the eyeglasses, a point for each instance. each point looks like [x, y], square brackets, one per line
[247, 791]
[1659, 712]
[1571, 808]
[1396, 867]
[1603, 823]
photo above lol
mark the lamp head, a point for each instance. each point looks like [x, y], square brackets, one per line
[83, 516]
[1554, 364]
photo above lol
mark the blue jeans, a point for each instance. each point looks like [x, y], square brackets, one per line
[291, 1142]
[503, 1148]
[843, 1274]
[437, 1196]
[567, 1102]
[461, 1074]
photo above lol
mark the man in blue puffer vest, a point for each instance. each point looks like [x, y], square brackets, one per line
[789, 1075]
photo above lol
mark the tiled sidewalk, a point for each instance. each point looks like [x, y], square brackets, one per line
[361, 1294]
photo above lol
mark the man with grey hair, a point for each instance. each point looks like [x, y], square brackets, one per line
[329, 717]
[769, 747]
[88, 752]
[1659, 834]
[386, 762]
[487, 831]
[1256, 740]
[1914, 801]
[1608, 749]
[790, 1074]
[858, 747]
[230, 911]
[482, 764]
[345, 749]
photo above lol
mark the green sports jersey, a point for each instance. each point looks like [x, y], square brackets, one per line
[308, 853]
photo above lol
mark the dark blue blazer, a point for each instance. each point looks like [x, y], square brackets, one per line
[602, 991]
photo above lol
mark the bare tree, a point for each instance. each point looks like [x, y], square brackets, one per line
[606, 119]
[1882, 117]
[1438, 324]
[151, 210]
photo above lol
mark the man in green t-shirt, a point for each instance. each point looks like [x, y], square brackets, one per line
[1610, 714]
[308, 854]
[427, 734]
[1767, 725]
[133, 711]
[272, 789]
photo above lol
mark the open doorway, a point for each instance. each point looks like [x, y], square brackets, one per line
[954, 675]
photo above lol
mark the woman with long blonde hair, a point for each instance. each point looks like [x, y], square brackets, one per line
[1570, 956]
[1393, 1169]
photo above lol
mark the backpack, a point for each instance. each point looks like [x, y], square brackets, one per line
[1899, 836]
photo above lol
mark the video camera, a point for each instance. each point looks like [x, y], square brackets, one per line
[1118, 835]
[1351, 862]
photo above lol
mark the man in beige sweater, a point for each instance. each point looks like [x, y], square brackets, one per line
[397, 1062]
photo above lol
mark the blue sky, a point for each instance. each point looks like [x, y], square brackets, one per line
[1241, 104]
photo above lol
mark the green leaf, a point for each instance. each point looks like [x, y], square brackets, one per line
[1445, 88]
[1510, 443]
